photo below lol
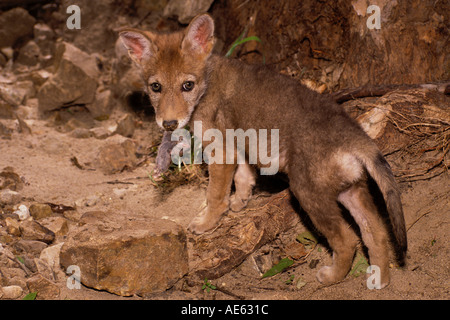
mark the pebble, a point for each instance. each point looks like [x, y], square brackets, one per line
[12, 226]
[40, 210]
[31, 230]
[89, 201]
[81, 133]
[100, 133]
[58, 225]
[23, 212]
[29, 247]
[9, 197]
[50, 256]
[126, 126]
[11, 292]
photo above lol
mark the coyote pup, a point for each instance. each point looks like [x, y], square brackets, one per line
[325, 154]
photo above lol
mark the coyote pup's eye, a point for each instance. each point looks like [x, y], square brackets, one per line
[156, 87]
[188, 86]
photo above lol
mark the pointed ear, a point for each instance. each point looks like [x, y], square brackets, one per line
[199, 38]
[140, 47]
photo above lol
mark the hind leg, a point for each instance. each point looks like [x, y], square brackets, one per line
[327, 218]
[359, 202]
[244, 181]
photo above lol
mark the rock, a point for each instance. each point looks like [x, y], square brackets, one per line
[26, 89]
[6, 238]
[72, 215]
[126, 254]
[22, 126]
[44, 269]
[185, 10]
[126, 126]
[10, 292]
[73, 124]
[29, 54]
[58, 225]
[32, 230]
[31, 247]
[75, 80]
[16, 23]
[46, 289]
[117, 157]
[81, 133]
[89, 201]
[40, 210]
[39, 76]
[10, 180]
[48, 262]
[18, 281]
[103, 105]
[11, 95]
[100, 133]
[12, 226]
[22, 212]
[9, 197]
[50, 255]
[13, 273]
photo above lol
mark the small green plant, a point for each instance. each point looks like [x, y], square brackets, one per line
[360, 266]
[208, 286]
[241, 40]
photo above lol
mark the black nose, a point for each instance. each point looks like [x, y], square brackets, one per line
[170, 125]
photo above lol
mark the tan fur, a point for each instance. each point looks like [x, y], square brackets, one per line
[324, 153]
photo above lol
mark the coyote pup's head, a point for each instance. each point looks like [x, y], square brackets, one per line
[174, 68]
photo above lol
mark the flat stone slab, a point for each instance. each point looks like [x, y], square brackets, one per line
[125, 254]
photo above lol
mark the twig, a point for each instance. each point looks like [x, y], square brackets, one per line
[420, 217]
[231, 294]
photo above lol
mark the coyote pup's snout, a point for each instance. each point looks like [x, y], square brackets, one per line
[326, 155]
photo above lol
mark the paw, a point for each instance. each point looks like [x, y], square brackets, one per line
[328, 275]
[325, 275]
[237, 204]
[203, 222]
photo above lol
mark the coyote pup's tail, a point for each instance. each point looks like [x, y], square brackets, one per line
[380, 170]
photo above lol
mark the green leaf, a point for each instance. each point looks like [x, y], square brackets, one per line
[280, 266]
[20, 259]
[360, 266]
[307, 238]
[30, 296]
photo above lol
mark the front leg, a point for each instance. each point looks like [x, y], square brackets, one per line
[218, 198]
